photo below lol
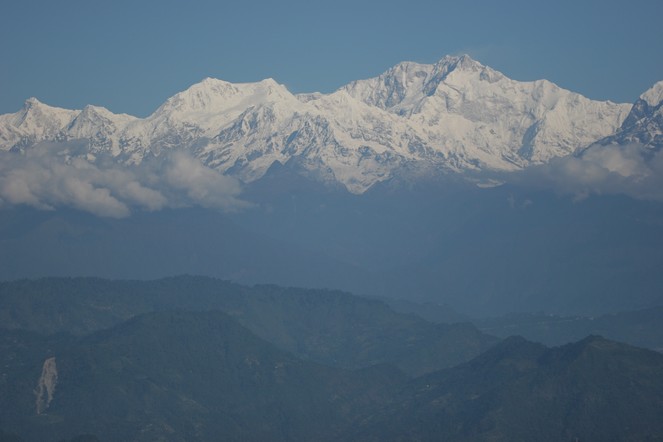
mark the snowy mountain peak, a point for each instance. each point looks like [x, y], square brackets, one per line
[644, 123]
[392, 87]
[30, 107]
[38, 118]
[213, 95]
[93, 115]
[403, 87]
[462, 68]
[95, 110]
[32, 101]
[210, 81]
[462, 62]
[454, 115]
[203, 95]
[33, 105]
[269, 81]
[654, 95]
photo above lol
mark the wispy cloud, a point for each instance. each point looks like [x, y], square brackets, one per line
[49, 176]
[631, 170]
[201, 185]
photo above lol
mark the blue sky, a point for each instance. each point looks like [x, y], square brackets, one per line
[129, 56]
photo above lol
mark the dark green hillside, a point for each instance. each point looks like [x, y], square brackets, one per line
[178, 375]
[329, 327]
[22, 355]
[9, 437]
[190, 376]
[348, 331]
[593, 390]
[192, 358]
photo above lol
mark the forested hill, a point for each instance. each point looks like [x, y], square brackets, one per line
[192, 358]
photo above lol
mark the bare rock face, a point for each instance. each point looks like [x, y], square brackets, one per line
[46, 385]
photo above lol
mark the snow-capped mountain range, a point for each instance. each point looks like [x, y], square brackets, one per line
[454, 115]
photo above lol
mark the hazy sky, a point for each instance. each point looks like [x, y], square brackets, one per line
[129, 56]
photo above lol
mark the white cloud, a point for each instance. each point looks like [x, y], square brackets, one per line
[48, 176]
[201, 184]
[631, 170]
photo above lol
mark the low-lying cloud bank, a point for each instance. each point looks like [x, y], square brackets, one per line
[632, 170]
[52, 175]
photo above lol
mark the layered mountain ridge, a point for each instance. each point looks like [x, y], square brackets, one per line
[455, 115]
[191, 358]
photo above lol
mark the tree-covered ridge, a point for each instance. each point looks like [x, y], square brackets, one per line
[594, 389]
[329, 327]
[191, 358]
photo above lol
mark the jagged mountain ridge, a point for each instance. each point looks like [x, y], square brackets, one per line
[644, 124]
[454, 115]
